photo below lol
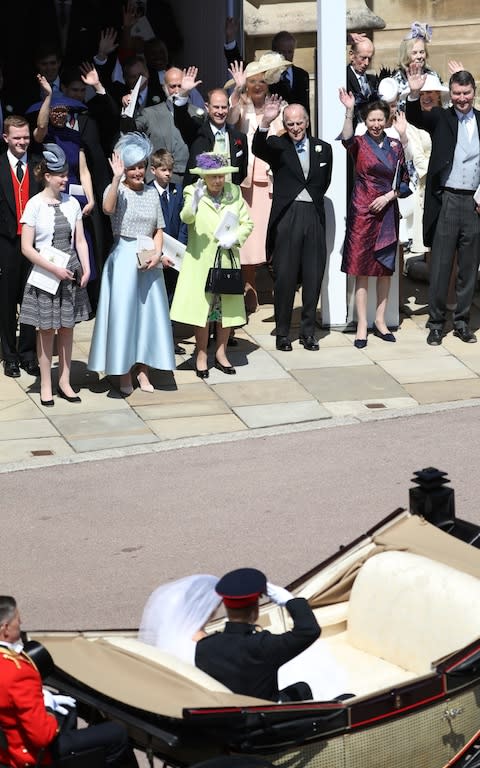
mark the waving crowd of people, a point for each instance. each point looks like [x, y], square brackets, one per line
[116, 150]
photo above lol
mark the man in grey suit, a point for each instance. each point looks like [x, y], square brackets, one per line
[158, 121]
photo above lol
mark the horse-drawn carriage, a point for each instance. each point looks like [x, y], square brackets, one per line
[400, 618]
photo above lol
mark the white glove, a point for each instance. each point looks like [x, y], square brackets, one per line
[55, 702]
[278, 595]
[198, 193]
[228, 240]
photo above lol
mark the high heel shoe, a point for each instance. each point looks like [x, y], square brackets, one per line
[47, 403]
[229, 369]
[146, 386]
[68, 398]
[384, 336]
[202, 373]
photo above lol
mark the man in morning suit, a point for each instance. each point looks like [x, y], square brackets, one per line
[451, 219]
[246, 658]
[215, 135]
[296, 246]
[17, 185]
[30, 733]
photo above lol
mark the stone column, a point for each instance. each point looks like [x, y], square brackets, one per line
[331, 75]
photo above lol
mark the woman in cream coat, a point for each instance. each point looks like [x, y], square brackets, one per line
[205, 205]
[247, 103]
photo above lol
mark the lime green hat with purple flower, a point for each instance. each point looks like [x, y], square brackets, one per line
[212, 164]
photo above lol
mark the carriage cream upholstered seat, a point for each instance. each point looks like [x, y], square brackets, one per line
[405, 611]
[132, 645]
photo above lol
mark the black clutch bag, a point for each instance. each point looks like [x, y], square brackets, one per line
[226, 280]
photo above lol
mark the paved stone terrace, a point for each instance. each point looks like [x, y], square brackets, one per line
[270, 389]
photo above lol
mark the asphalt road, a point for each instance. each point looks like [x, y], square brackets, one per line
[84, 544]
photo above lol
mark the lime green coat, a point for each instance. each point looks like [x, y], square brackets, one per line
[191, 305]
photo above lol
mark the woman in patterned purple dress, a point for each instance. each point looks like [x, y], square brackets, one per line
[371, 237]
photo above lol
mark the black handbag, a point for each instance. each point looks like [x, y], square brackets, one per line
[227, 280]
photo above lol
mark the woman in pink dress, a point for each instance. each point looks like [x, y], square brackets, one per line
[371, 237]
[246, 112]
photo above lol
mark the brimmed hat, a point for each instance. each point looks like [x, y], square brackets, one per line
[432, 83]
[242, 587]
[210, 164]
[271, 63]
[55, 158]
[388, 90]
[133, 148]
[58, 100]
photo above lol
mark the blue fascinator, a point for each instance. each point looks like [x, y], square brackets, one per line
[133, 148]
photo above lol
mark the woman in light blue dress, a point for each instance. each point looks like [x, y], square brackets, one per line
[132, 325]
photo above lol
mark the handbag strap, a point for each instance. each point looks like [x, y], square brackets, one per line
[218, 258]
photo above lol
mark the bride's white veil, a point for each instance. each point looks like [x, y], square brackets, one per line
[176, 611]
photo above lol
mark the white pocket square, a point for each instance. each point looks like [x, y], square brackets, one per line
[239, 153]
[322, 164]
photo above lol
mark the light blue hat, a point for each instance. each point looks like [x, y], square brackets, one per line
[133, 148]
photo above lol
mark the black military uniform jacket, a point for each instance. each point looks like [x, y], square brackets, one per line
[246, 659]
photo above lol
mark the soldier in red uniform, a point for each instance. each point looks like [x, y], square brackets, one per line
[29, 734]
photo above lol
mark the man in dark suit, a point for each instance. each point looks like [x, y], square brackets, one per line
[214, 134]
[17, 185]
[245, 658]
[151, 91]
[358, 81]
[451, 220]
[296, 246]
[294, 84]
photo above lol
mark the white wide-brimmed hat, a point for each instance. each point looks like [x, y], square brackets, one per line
[432, 83]
[271, 64]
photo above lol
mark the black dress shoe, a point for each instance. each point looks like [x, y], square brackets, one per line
[179, 350]
[47, 403]
[434, 338]
[284, 344]
[12, 369]
[384, 336]
[75, 399]
[31, 367]
[465, 334]
[202, 373]
[229, 369]
[309, 342]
